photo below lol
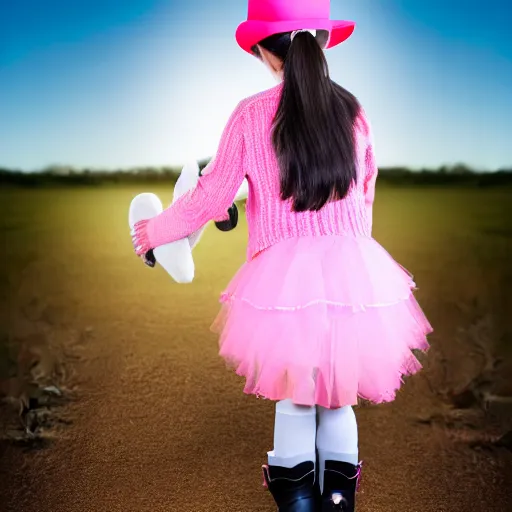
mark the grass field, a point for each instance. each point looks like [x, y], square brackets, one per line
[68, 267]
[69, 250]
[72, 246]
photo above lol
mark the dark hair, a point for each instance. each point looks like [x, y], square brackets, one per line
[313, 130]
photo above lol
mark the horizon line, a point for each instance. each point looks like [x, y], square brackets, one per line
[204, 161]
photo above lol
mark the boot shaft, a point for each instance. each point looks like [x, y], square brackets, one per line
[293, 489]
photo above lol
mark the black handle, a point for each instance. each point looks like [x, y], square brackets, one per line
[231, 223]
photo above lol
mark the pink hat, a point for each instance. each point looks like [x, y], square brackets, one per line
[269, 17]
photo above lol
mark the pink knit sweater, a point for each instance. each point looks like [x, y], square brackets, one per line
[246, 150]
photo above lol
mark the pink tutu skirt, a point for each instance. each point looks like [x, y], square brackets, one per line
[322, 321]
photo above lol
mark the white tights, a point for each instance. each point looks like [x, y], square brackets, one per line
[297, 433]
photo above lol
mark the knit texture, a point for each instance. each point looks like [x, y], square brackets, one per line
[246, 150]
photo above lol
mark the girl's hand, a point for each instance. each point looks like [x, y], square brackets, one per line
[140, 241]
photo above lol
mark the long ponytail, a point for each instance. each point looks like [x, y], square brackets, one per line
[313, 130]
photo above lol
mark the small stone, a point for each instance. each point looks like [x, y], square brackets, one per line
[52, 390]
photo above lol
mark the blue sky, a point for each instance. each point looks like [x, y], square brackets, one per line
[152, 82]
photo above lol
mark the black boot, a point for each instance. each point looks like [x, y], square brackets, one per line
[341, 482]
[292, 489]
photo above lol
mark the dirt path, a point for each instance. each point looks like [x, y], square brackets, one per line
[160, 425]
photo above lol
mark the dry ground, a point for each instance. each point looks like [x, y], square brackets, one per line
[154, 422]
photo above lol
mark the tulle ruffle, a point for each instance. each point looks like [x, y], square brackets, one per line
[322, 320]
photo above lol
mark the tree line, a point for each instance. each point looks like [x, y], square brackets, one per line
[400, 176]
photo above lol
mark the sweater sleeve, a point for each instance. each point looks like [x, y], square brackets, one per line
[371, 172]
[214, 193]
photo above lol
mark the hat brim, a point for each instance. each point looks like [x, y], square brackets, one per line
[251, 32]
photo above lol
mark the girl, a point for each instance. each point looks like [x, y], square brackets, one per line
[320, 314]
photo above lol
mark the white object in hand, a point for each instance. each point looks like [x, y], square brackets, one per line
[175, 257]
[243, 191]
[188, 181]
